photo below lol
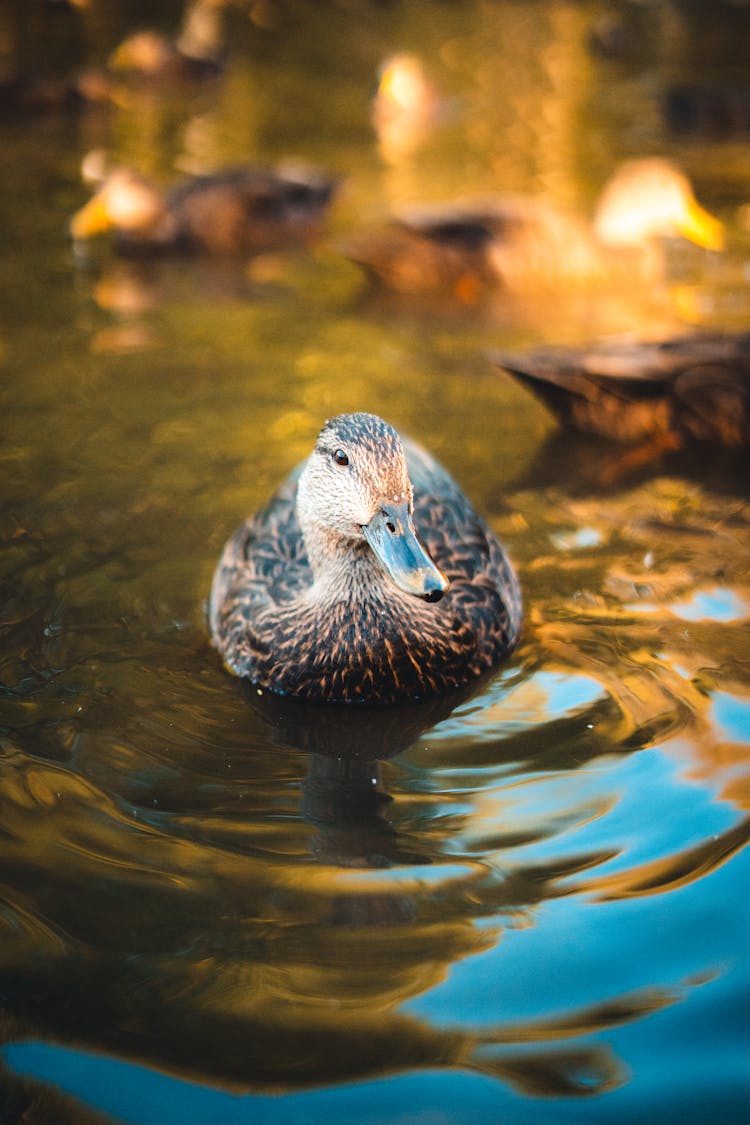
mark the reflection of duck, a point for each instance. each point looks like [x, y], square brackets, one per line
[525, 242]
[236, 211]
[328, 594]
[338, 732]
[688, 388]
[342, 795]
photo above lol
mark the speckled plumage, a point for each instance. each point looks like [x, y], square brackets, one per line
[348, 633]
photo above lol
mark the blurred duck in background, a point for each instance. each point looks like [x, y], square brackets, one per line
[198, 52]
[407, 106]
[237, 211]
[676, 391]
[150, 57]
[523, 243]
[146, 62]
[652, 199]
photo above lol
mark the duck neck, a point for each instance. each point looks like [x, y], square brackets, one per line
[344, 569]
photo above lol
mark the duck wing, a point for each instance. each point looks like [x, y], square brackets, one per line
[483, 585]
[249, 210]
[265, 561]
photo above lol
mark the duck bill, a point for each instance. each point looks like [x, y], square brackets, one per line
[92, 219]
[392, 537]
[701, 228]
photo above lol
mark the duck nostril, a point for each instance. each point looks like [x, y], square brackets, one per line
[391, 526]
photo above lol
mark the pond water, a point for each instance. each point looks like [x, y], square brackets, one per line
[526, 904]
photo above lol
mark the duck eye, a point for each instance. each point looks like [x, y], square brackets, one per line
[340, 457]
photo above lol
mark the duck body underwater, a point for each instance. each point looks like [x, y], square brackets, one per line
[367, 578]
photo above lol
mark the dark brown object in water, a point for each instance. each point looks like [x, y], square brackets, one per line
[691, 388]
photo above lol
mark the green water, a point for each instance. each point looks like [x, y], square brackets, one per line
[526, 905]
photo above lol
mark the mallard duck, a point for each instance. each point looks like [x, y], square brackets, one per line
[237, 211]
[466, 250]
[690, 388]
[526, 243]
[367, 578]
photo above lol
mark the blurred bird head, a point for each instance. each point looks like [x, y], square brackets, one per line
[125, 201]
[651, 198]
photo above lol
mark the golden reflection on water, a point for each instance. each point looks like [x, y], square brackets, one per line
[254, 896]
[265, 981]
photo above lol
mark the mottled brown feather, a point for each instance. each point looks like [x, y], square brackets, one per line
[376, 644]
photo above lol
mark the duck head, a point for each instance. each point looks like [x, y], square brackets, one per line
[145, 52]
[651, 198]
[354, 494]
[126, 202]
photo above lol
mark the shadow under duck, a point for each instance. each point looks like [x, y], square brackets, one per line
[234, 211]
[684, 389]
[367, 578]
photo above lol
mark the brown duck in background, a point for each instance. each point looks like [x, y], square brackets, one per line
[670, 392]
[237, 211]
[150, 57]
[146, 61]
[468, 250]
[526, 243]
[197, 53]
